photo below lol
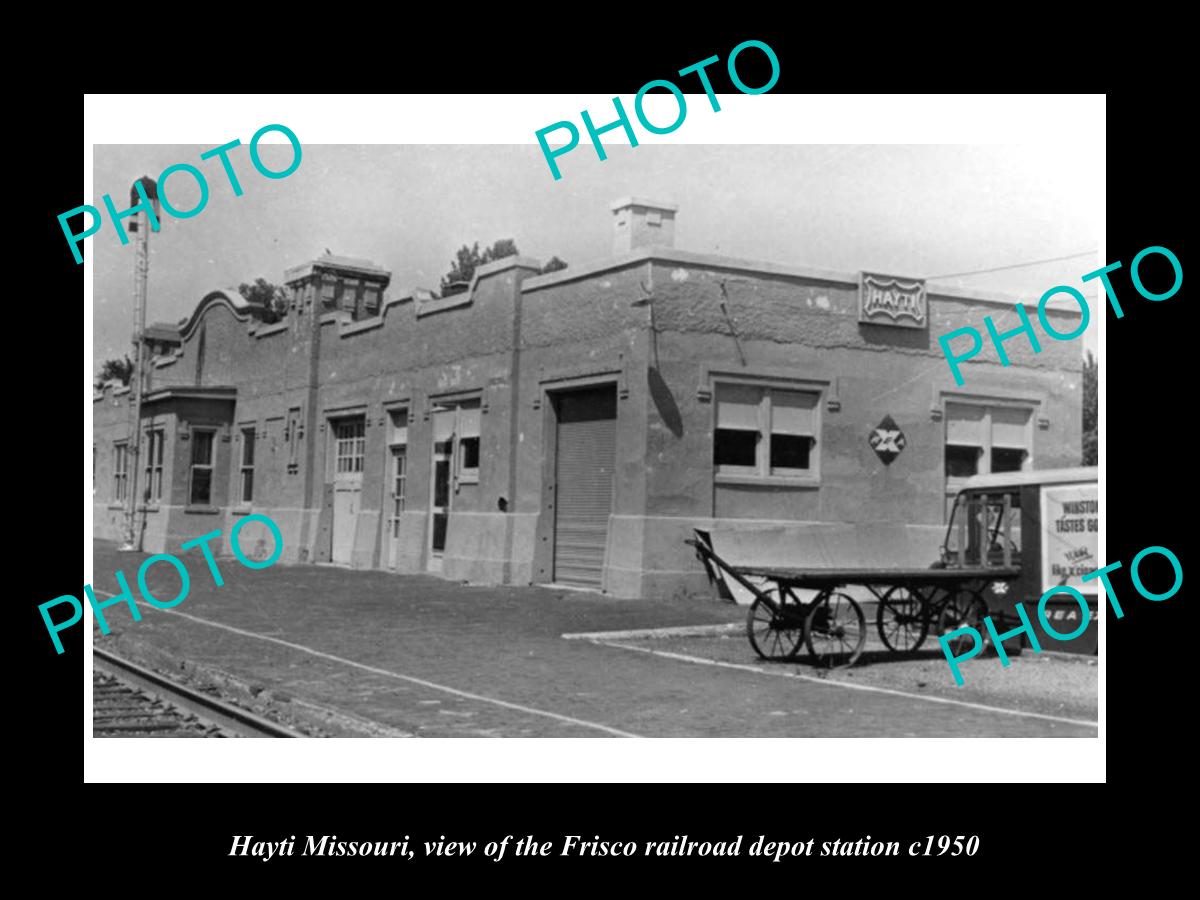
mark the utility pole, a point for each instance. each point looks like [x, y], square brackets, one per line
[141, 273]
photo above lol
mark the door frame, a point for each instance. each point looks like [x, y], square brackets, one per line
[391, 522]
[435, 556]
[389, 547]
[454, 399]
[548, 394]
[334, 418]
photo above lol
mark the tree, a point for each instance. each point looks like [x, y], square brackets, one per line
[499, 250]
[554, 265]
[119, 369]
[1090, 411]
[271, 297]
[468, 259]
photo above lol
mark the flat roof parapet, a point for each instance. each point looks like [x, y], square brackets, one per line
[345, 264]
[624, 202]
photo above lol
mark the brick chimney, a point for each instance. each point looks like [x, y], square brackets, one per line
[638, 222]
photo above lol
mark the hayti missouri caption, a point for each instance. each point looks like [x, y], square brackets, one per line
[573, 845]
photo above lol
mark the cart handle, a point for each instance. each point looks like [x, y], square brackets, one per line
[707, 554]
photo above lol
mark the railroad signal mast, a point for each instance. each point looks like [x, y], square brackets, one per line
[141, 273]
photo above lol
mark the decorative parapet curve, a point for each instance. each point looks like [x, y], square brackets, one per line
[243, 310]
[433, 304]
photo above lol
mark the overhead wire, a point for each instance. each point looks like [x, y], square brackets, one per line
[1035, 262]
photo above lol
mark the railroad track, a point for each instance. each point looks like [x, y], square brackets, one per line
[129, 700]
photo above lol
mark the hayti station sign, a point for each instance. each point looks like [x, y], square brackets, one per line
[885, 300]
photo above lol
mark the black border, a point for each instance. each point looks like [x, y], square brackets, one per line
[1146, 449]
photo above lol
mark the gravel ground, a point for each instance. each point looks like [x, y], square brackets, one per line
[363, 652]
[1060, 684]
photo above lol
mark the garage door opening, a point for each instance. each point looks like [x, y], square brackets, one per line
[584, 461]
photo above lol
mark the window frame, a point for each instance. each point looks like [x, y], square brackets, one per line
[329, 294]
[120, 471]
[466, 474]
[294, 428]
[955, 483]
[460, 473]
[245, 468]
[153, 468]
[988, 445]
[399, 485]
[195, 433]
[350, 298]
[397, 472]
[372, 301]
[761, 473]
[985, 534]
[350, 448]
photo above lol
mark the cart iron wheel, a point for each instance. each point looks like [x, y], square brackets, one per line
[776, 630]
[902, 619]
[962, 608]
[836, 629]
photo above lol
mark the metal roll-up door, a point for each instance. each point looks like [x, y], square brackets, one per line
[585, 458]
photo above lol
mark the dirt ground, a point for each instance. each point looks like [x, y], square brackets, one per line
[338, 652]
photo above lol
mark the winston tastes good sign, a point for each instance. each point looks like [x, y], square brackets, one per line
[1070, 532]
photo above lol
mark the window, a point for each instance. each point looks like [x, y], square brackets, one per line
[293, 435]
[154, 464]
[982, 439]
[765, 431]
[966, 437]
[996, 527]
[348, 293]
[735, 443]
[1010, 438]
[246, 492]
[397, 444]
[120, 470]
[328, 288]
[350, 446]
[200, 482]
[791, 416]
[399, 467]
[201, 343]
[467, 433]
[456, 425]
[371, 301]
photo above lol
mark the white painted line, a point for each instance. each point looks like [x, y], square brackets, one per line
[577, 588]
[409, 678]
[675, 631]
[854, 687]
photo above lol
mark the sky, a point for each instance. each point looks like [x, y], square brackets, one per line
[915, 211]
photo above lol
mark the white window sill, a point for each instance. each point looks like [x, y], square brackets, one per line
[805, 482]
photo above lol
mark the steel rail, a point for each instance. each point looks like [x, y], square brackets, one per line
[224, 715]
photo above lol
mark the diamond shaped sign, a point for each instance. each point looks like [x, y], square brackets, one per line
[887, 440]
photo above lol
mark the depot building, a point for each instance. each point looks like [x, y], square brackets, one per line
[574, 427]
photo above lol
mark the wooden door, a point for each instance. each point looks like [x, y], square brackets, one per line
[349, 453]
[585, 457]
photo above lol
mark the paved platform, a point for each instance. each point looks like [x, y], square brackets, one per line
[370, 653]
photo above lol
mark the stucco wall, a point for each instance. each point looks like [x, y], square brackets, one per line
[513, 348]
